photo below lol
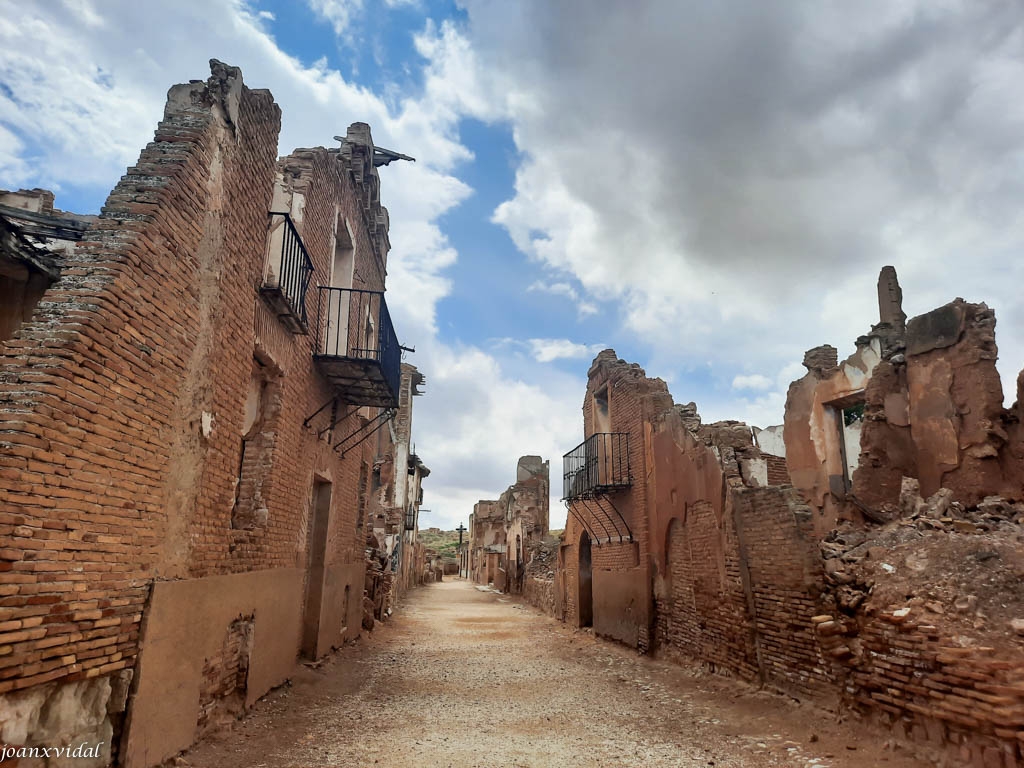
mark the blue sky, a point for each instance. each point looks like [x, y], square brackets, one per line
[710, 189]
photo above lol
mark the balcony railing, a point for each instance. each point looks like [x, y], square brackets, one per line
[287, 272]
[356, 346]
[597, 465]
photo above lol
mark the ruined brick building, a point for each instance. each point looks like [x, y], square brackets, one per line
[841, 586]
[502, 532]
[34, 236]
[395, 557]
[191, 404]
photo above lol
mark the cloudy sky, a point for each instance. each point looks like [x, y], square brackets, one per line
[708, 187]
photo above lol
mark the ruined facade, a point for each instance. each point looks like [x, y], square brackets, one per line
[182, 422]
[34, 239]
[605, 554]
[393, 549]
[502, 532]
[919, 399]
[487, 543]
[882, 580]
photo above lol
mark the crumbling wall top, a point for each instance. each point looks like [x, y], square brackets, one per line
[821, 361]
[357, 157]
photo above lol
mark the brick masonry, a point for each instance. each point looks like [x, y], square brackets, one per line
[737, 582]
[122, 400]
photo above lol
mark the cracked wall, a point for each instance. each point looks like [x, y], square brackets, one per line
[932, 410]
[124, 423]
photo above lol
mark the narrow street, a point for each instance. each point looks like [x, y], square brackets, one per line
[464, 677]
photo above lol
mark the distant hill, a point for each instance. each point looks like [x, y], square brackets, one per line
[444, 542]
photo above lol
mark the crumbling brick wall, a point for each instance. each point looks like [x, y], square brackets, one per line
[619, 399]
[734, 562]
[98, 393]
[122, 415]
[932, 410]
[936, 413]
[225, 676]
[919, 622]
[524, 505]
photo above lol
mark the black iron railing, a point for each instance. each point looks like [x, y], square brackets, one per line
[598, 464]
[288, 270]
[355, 324]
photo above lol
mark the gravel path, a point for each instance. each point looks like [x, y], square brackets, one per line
[465, 677]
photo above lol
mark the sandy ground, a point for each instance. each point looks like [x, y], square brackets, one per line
[464, 677]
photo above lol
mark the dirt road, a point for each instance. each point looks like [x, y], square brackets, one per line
[463, 677]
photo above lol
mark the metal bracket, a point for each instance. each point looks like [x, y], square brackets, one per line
[629, 531]
[377, 421]
[305, 422]
[581, 521]
[337, 419]
[596, 517]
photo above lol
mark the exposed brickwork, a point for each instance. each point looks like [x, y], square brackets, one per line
[630, 399]
[778, 474]
[502, 532]
[908, 674]
[738, 581]
[615, 556]
[122, 401]
[780, 553]
[704, 612]
[225, 676]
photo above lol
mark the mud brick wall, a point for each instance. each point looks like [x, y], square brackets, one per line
[781, 557]
[632, 397]
[91, 402]
[329, 200]
[614, 556]
[778, 474]
[540, 593]
[701, 610]
[123, 399]
[907, 673]
[737, 569]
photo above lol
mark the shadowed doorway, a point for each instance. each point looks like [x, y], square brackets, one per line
[586, 606]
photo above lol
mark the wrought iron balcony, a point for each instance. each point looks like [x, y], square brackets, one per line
[356, 347]
[597, 465]
[287, 272]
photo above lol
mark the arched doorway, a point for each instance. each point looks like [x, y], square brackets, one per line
[586, 593]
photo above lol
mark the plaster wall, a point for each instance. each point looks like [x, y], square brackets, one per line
[813, 429]
[165, 705]
[622, 604]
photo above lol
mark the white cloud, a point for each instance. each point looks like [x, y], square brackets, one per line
[738, 206]
[14, 170]
[476, 419]
[583, 308]
[90, 99]
[339, 13]
[751, 381]
[547, 350]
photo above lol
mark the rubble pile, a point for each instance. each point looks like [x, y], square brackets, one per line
[957, 566]
[543, 556]
[378, 583]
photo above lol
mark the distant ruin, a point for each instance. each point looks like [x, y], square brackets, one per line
[869, 561]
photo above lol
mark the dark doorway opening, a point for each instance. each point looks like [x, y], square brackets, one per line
[586, 575]
[320, 519]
